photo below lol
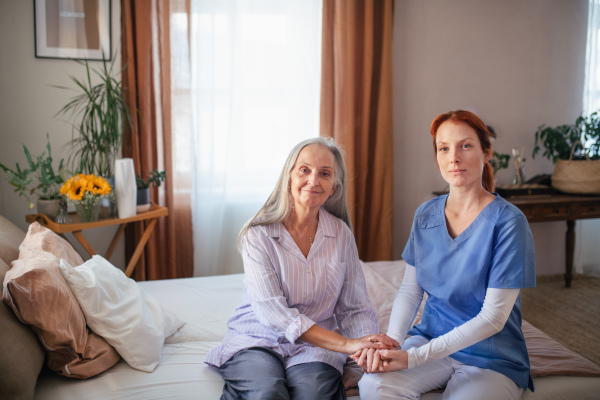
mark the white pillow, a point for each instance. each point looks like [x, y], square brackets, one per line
[119, 310]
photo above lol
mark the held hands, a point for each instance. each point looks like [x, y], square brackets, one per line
[377, 341]
[374, 360]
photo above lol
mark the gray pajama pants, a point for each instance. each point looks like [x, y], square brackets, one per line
[259, 373]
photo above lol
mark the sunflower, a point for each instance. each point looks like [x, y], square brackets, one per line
[77, 189]
[99, 185]
[77, 186]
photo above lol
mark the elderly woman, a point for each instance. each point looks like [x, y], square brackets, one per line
[472, 252]
[304, 284]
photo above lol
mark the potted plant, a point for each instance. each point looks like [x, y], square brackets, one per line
[155, 178]
[38, 181]
[575, 151]
[100, 112]
[499, 161]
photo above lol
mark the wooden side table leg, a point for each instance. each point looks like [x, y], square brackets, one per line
[570, 252]
[138, 250]
[79, 236]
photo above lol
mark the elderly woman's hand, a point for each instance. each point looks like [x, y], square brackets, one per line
[376, 341]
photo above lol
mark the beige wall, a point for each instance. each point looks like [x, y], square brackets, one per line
[28, 105]
[517, 64]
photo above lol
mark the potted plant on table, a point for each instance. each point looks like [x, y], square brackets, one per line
[575, 151]
[38, 181]
[100, 113]
[155, 178]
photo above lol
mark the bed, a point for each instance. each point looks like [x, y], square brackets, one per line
[205, 304]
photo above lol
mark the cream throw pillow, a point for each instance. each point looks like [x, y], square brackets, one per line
[119, 310]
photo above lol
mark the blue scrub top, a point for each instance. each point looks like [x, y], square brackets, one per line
[495, 251]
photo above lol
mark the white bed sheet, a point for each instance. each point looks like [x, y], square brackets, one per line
[206, 305]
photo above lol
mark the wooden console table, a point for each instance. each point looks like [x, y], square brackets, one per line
[76, 227]
[559, 207]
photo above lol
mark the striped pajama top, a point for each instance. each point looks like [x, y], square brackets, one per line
[285, 294]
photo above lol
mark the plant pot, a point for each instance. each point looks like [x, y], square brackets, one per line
[143, 200]
[577, 176]
[87, 212]
[48, 207]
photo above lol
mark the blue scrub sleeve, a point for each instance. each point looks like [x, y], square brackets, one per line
[408, 254]
[513, 257]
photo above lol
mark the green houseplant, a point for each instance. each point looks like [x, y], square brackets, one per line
[499, 161]
[575, 151]
[100, 113]
[155, 178]
[558, 141]
[38, 180]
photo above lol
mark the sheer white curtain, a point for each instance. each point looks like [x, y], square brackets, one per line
[588, 231]
[254, 85]
[591, 89]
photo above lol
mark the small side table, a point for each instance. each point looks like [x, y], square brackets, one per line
[76, 227]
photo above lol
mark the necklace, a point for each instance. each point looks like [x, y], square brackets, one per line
[310, 239]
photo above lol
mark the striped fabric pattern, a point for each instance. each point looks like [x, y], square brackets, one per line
[286, 293]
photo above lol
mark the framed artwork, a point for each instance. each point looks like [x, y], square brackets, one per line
[78, 29]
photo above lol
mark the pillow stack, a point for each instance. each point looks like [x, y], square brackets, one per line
[39, 296]
[85, 317]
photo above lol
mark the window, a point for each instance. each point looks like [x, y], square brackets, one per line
[243, 95]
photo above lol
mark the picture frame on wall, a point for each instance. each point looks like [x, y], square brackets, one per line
[77, 29]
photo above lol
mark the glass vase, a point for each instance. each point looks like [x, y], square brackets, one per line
[87, 212]
[108, 204]
[63, 216]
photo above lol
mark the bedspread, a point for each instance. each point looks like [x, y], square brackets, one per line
[207, 303]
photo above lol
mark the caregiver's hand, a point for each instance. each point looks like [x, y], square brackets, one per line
[368, 359]
[392, 360]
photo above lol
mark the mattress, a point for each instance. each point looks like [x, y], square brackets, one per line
[206, 304]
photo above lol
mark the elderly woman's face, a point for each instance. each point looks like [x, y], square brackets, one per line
[312, 180]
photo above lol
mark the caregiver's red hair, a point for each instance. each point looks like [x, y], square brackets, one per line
[483, 134]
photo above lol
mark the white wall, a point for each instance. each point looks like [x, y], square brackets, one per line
[517, 64]
[28, 105]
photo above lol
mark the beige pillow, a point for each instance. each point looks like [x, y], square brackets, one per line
[38, 294]
[10, 238]
[21, 355]
[41, 239]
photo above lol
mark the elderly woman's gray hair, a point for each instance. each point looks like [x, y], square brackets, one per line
[279, 205]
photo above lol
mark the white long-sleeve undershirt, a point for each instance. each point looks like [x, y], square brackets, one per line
[496, 309]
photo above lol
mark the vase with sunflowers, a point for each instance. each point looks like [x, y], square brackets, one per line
[86, 192]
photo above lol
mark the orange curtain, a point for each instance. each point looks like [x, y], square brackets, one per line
[146, 78]
[356, 110]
